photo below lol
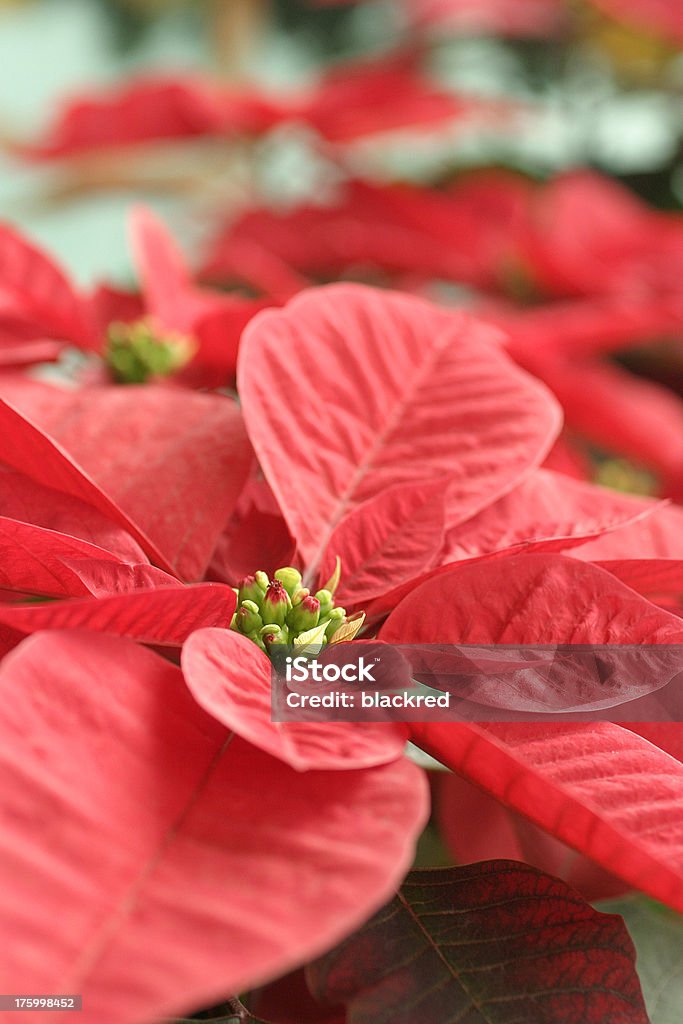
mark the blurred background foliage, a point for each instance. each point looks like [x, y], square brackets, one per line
[602, 95]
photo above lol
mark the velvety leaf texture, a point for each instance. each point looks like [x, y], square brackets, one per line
[402, 392]
[599, 788]
[166, 615]
[168, 465]
[386, 541]
[141, 843]
[491, 943]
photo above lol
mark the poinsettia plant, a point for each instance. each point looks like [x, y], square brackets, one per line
[372, 412]
[185, 841]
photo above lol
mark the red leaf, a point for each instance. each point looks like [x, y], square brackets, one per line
[497, 941]
[546, 510]
[493, 831]
[599, 788]
[620, 412]
[102, 577]
[215, 321]
[167, 465]
[528, 599]
[35, 291]
[539, 599]
[166, 281]
[25, 499]
[658, 536]
[181, 838]
[164, 616]
[231, 679]
[388, 540]
[36, 561]
[401, 391]
[379, 96]
[146, 110]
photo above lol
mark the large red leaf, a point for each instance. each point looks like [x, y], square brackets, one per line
[659, 536]
[496, 942]
[31, 502]
[528, 599]
[203, 865]
[539, 599]
[400, 392]
[231, 679]
[167, 465]
[386, 541]
[546, 510]
[166, 615]
[34, 290]
[599, 788]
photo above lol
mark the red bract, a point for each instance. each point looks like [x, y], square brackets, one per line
[37, 301]
[381, 411]
[352, 102]
[554, 774]
[623, 248]
[139, 456]
[468, 233]
[182, 834]
[151, 109]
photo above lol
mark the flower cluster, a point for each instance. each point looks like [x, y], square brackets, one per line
[282, 611]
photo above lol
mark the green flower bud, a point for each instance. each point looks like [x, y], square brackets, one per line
[274, 634]
[304, 614]
[290, 579]
[334, 621]
[301, 594]
[251, 590]
[248, 619]
[326, 602]
[276, 604]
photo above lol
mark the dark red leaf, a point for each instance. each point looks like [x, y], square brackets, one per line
[497, 942]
